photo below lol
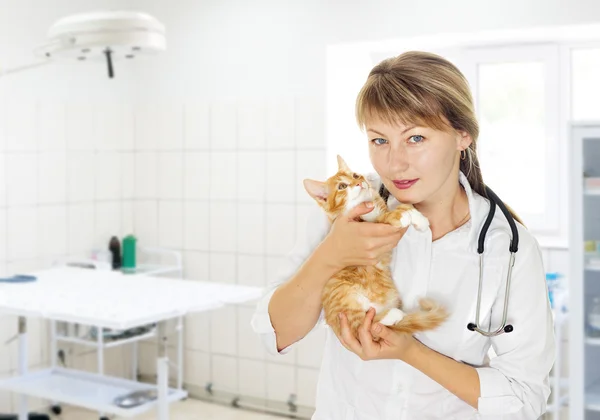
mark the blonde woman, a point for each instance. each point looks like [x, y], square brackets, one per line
[417, 112]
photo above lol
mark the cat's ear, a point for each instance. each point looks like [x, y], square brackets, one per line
[317, 190]
[342, 166]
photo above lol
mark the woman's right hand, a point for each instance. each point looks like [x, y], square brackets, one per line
[352, 242]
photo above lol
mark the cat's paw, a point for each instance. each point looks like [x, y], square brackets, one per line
[393, 316]
[405, 219]
[419, 221]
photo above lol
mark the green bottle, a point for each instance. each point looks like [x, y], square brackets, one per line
[129, 245]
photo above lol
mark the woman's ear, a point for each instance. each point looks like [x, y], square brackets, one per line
[463, 140]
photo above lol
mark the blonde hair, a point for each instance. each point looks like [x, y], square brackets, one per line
[423, 88]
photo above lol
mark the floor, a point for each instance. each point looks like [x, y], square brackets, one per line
[189, 409]
[198, 410]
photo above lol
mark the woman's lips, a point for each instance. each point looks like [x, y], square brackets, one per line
[404, 184]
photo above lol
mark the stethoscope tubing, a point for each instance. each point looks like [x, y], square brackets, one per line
[494, 201]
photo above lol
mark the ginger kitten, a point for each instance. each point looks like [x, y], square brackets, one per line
[355, 289]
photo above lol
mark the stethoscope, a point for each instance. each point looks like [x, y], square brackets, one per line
[514, 245]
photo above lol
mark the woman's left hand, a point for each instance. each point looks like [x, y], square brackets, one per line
[391, 344]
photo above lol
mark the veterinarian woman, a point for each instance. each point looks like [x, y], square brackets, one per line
[421, 131]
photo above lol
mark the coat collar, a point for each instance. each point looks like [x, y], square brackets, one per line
[478, 207]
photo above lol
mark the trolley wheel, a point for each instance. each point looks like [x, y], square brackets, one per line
[56, 409]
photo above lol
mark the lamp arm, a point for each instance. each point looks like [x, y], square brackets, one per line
[7, 71]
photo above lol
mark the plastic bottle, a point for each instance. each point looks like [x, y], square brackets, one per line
[558, 292]
[594, 318]
[115, 248]
[552, 282]
[129, 245]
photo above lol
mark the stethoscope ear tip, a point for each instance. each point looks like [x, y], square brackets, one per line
[508, 328]
[471, 326]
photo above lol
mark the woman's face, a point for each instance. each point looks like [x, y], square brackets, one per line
[416, 164]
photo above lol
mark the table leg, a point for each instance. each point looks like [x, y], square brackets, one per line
[23, 356]
[557, 371]
[180, 352]
[100, 356]
[162, 373]
[53, 347]
[53, 356]
[134, 361]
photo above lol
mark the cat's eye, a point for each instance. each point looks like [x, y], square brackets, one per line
[356, 176]
[342, 185]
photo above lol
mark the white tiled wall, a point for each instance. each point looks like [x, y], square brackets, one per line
[66, 186]
[222, 182]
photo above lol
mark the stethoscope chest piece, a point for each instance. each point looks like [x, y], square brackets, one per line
[473, 327]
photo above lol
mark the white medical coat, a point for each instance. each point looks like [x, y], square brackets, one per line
[514, 383]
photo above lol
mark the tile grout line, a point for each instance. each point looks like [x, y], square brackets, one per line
[38, 176]
[264, 203]
[182, 231]
[67, 210]
[209, 211]
[6, 242]
[237, 245]
[183, 196]
[296, 213]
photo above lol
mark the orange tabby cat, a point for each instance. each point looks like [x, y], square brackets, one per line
[355, 289]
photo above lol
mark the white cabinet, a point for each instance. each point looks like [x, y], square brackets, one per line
[584, 349]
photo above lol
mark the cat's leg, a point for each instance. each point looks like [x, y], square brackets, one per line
[400, 217]
[419, 221]
[404, 215]
[391, 317]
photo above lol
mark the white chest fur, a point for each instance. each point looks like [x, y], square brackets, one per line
[371, 216]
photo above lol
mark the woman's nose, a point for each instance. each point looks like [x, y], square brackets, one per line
[398, 159]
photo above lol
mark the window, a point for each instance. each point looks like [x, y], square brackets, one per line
[516, 93]
[585, 63]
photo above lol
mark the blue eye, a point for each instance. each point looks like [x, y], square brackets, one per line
[379, 141]
[418, 138]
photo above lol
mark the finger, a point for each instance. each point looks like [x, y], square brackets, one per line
[397, 233]
[360, 209]
[369, 319]
[339, 336]
[382, 245]
[343, 342]
[351, 341]
[381, 331]
[380, 230]
[364, 333]
[366, 326]
[376, 330]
